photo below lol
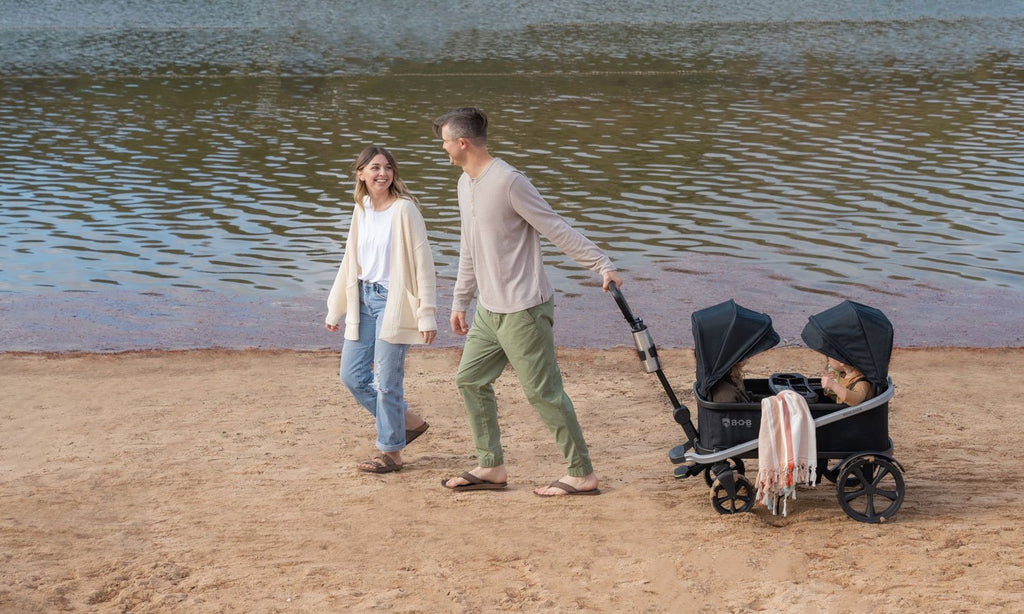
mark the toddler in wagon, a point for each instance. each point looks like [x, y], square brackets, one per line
[845, 384]
[730, 388]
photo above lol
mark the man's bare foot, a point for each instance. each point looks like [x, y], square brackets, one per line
[576, 486]
[494, 475]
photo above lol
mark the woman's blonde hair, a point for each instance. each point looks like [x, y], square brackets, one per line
[397, 188]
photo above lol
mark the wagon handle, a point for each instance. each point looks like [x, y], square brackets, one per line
[648, 354]
[635, 323]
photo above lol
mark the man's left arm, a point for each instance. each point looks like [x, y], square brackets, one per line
[532, 207]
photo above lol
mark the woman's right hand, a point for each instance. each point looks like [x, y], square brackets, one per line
[332, 327]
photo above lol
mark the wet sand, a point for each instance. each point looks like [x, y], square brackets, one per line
[664, 294]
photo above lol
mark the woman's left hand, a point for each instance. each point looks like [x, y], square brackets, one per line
[428, 336]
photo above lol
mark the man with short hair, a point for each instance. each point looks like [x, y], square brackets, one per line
[503, 216]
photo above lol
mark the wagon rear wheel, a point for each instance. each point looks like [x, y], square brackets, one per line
[870, 488]
[831, 473]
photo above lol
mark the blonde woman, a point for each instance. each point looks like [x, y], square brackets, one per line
[386, 291]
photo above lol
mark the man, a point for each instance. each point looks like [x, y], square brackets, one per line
[503, 217]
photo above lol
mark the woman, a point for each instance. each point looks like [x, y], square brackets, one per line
[385, 289]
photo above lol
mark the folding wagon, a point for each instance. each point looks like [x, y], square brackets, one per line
[853, 445]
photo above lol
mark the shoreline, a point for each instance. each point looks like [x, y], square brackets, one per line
[663, 295]
[170, 353]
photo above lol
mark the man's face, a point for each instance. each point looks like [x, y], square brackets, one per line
[451, 146]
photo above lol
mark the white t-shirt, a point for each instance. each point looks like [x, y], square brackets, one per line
[375, 245]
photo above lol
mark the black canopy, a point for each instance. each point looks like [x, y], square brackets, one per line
[724, 335]
[855, 334]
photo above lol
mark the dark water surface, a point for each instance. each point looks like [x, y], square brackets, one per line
[175, 175]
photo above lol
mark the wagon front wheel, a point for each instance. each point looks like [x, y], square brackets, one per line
[870, 488]
[740, 500]
[731, 464]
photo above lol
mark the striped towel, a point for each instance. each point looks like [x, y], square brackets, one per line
[787, 449]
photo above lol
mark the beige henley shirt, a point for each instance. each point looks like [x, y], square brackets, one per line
[503, 217]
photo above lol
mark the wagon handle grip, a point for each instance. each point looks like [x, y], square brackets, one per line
[634, 322]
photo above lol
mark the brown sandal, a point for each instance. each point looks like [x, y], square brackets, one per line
[379, 464]
[475, 483]
[412, 434]
[569, 490]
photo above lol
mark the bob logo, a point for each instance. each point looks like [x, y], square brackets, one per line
[734, 422]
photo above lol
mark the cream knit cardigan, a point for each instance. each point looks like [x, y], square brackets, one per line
[412, 290]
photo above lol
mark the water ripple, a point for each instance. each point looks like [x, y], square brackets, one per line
[827, 151]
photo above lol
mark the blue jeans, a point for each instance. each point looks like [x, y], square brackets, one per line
[373, 370]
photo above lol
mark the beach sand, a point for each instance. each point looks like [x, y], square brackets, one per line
[225, 481]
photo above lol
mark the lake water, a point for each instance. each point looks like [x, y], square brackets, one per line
[177, 174]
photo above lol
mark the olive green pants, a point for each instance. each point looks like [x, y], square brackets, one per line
[525, 340]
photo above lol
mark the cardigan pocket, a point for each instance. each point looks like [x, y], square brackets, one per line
[410, 315]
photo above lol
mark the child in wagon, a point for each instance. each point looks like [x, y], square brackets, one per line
[845, 384]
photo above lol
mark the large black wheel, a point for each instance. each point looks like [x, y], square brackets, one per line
[711, 471]
[737, 502]
[870, 488]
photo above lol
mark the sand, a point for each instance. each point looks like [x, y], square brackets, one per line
[225, 481]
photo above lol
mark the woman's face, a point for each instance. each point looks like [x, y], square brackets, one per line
[377, 175]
